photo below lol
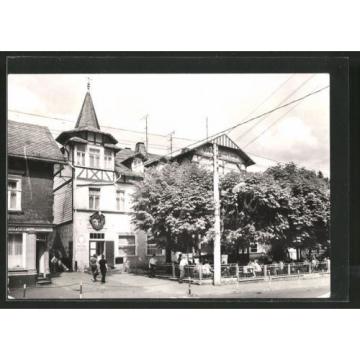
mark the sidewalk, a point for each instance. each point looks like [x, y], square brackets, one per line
[67, 286]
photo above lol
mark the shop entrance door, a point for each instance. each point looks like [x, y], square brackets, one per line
[97, 248]
[40, 256]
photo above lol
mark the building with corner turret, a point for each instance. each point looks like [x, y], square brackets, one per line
[92, 196]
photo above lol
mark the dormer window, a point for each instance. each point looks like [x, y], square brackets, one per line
[137, 165]
[94, 156]
[108, 159]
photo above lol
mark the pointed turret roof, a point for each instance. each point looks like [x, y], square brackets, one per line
[87, 119]
[86, 122]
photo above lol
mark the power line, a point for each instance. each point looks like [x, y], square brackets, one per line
[157, 146]
[269, 96]
[106, 127]
[281, 102]
[267, 158]
[270, 126]
[264, 114]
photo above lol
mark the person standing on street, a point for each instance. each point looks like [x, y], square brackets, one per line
[152, 265]
[182, 263]
[103, 268]
[93, 267]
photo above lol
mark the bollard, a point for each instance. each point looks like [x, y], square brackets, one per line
[309, 268]
[289, 269]
[237, 272]
[81, 290]
[298, 272]
[265, 270]
[24, 291]
[189, 289]
[200, 274]
[269, 274]
[173, 270]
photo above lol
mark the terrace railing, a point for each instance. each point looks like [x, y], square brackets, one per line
[235, 272]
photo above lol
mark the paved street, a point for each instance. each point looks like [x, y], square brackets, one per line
[67, 286]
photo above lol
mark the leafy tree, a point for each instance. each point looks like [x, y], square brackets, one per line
[174, 205]
[285, 206]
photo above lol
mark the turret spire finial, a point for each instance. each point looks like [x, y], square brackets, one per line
[88, 83]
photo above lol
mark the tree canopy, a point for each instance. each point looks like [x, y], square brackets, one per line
[174, 205]
[285, 206]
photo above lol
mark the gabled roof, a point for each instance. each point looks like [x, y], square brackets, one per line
[221, 140]
[87, 119]
[32, 142]
[121, 169]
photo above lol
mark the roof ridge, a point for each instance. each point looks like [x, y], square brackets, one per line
[28, 124]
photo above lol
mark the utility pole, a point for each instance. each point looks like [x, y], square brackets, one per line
[171, 142]
[146, 132]
[217, 245]
[207, 127]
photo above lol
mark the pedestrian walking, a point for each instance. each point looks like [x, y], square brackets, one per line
[103, 268]
[152, 265]
[94, 267]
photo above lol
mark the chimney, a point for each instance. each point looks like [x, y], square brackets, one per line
[140, 148]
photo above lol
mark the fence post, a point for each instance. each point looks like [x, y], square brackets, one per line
[24, 291]
[265, 271]
[237, 272]
[81, 290]
[173, 269]
[289, 269]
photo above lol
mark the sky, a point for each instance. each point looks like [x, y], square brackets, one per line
[181, 103]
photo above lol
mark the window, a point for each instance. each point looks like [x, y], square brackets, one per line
[98, 138]
[253, 248]
[94, 199]
[80, 155]
[137, 165]
[94, 155]
[120, 200]
[153, 249]
[108, 163]
[15, 251]
[41, 236]
[97, 236]
[127, 245]
[91, 137]
[14, 194]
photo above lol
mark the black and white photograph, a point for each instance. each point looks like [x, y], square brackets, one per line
[155, 186]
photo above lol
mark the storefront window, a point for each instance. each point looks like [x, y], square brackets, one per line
[15, 251]
[126, 245]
